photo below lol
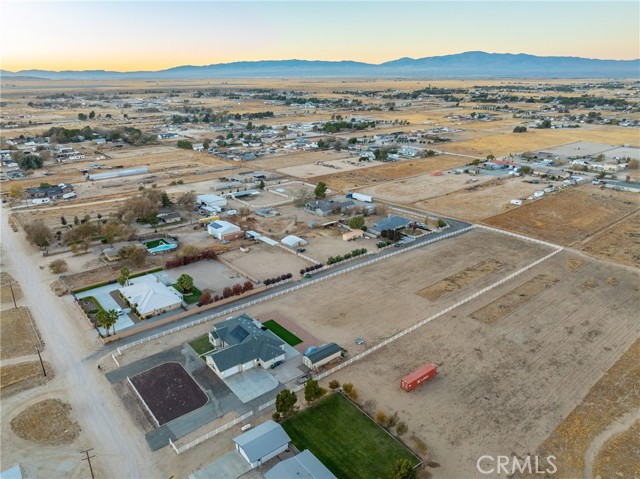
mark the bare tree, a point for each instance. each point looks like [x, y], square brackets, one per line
[38, 233]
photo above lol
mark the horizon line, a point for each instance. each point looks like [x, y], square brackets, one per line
[317, 60]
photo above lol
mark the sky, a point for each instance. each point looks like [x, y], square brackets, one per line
[145, 35]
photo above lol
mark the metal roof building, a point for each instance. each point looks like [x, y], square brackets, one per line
[117, 174]
[322, 355]
[392, 222]
[303, 466]
[293, 241]
[262, 443]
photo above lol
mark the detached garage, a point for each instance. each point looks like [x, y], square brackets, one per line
[320, 356]
[262, 443]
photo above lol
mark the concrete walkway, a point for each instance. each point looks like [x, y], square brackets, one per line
[229, 466]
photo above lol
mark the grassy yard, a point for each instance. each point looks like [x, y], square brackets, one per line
[284, 334]
[346, 440]
[154, 243]
[201, 345]
[192, 297]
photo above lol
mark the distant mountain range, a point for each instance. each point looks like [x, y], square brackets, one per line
[461, 65]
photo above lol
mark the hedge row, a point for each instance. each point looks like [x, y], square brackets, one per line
[352, 254]
[277, 279]
[308, 269]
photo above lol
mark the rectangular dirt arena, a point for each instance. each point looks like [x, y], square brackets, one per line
[377, 301]
[264, 261]
[169, 391]
[503, 388]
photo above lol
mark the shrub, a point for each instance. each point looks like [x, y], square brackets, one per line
[58, 266]
[401, 428]
[334, 384]
[205, 299]
[392, 420]
[382, 418]
[248, 286]
[302, 271]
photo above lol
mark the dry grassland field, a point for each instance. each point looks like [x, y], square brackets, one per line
[349, 180]
[422, 187]
[619, 243]
[600, 436]
[504, 387]
[508, 142]
[18, 333]
[345, 163]
[488, 199]
[569, 215]
[397, 282]
[280, 161]
[325, 242]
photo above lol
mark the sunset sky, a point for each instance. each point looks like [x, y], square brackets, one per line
[145, 35]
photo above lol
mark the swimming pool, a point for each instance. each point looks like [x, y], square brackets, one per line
[162, 247]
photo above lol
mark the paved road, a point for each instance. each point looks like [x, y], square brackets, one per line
[95, 406]
[455, 225]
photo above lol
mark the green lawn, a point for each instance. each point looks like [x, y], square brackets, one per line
[346, 440]
[201, 345]
[284, 334]
[191, 298]
[154, 243]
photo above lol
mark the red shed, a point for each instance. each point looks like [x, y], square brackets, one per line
[411, 381]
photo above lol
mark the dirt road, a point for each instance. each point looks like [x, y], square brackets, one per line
[69, 341]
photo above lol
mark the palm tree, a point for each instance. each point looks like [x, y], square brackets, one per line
[123, 279]
[107, 319]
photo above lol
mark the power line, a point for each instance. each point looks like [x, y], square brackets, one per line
[88, 459]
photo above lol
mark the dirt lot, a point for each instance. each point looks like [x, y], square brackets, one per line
[569, 215]
[108, 272]
[507, 142]
[169, 391]
[602, 415]
[47, 423]
[6, 296]
[297, 158]
[514, 299]
[349, 180]
[22, 376]
[492, 393]
[460, 279]
[483, 201]
[211, 275]
[422, 187]
[345, 163]
[18, 333]
[620, 243]
[325, 242]
[264, 261]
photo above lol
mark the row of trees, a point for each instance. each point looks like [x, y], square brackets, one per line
[277, 279]
[352, 254]
[308, 269]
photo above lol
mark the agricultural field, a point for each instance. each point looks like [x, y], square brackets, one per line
[568, 216]
[488, 396]
[346, 441]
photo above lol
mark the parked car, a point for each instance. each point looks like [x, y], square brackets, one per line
[276, 364]
[301, 250]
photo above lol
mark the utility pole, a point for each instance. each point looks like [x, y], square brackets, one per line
[88, 459]
[13, 296]
[41, 363]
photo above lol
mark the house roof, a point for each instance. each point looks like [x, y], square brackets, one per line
[262, 440]
[323, 352]
[150, 295]
[391, 223]
[303, 466]
[223, 225]
[246, 341]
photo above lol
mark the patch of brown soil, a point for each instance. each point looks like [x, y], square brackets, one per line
[47, 422]
[509, 302]
[6, 284]
[460, 279]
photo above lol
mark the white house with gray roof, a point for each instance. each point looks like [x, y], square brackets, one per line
[262, 443]
[391, 222]
[241, 343]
